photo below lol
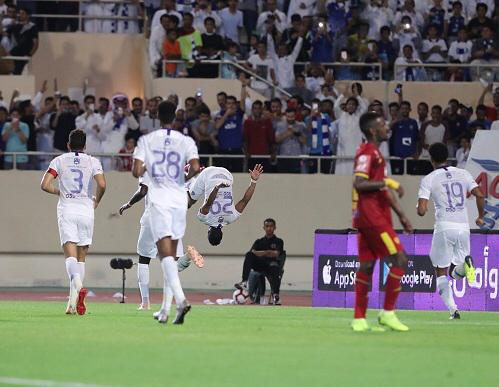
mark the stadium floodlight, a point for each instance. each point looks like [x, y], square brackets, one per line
[122, 264]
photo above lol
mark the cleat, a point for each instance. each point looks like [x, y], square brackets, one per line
[390, 320]
[81, 308]
[469, 270]
[70, 310]
[359, 325]
[183, 263]
[155, 315]
[276, 300]
[195, 256]
[182, 310]
[455, 316]
[243, 285]
[162, 318]
[144, 307]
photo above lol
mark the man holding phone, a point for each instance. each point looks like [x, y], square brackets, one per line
[290, 138]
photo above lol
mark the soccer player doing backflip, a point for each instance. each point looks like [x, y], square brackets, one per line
[450, 246]
[372, 201]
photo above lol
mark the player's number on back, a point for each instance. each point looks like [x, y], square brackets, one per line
[455, 194]
[217, 208]
[78, 179]
[166, 164]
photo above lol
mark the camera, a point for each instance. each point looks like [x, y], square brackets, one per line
[121, 263]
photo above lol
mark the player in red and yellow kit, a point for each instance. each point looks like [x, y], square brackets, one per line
[372, 201]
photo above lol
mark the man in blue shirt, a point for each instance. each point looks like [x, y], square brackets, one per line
[15, 136]
[404, 141]
[229, 137]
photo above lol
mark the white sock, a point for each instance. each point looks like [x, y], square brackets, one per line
[445, 292]
[81, 266]
[73, 271]
[170, 272]
[183, 262]
[167, 298]
[458, 272]
[143, 276]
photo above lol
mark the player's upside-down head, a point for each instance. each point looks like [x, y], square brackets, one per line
[215, 235]
[77, 140]
[373, 126]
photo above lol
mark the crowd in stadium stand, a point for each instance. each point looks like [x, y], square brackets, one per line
[241, 126]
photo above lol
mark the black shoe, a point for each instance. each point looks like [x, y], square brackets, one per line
[276, 300]
[243, 285]
[182, 310]
[455, 316]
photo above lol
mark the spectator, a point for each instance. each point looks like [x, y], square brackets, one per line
[404, 140]
[463, 152]
[230, 55]
[455, 21]
[434, 50]
[249, 8]
[264, 258]
[319, 137]
[481, 20]
[403, 73]
[156, 44]
[393, 112]
[229, 125]
[3, 9]
[262, 66]
[204, 132]
[485, 50]
[45, 135]
[301, 90]
[457, 126]
[272, 12]
[115, 130]
[284, 61]
[137, 111]
[130, 9]
[27, 115]
[172, 51]
[201, 13]
[371, 56]
[120, 100]
[232, 21]
[62, 123]
[422, 114]
[275, 111]
[191, 108]
[407, 34]
[292, 34]
[349, 134]
[221, 101]
[149, 122]
[357, 43]
[378, 14]
[213, 46]
[481, 118]
[23, 36]
[290, 138]
[460, 49]
[492, 111]
[15, 136]
[190, 43]
[124, 163]
[322, 44]
[93, 123]
[437, 15]
[170, 8]
[409, 10]
[259, 138]
[433, 131]
[386, 52]
[472, 5]
[4, 114]
[304, 8]
[99, 10]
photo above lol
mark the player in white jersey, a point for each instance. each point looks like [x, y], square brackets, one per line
[218, 210]
[146, 249]
[75, 210]
[164, 153]
[450, 245]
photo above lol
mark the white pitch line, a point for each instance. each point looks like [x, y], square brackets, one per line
[42, 383]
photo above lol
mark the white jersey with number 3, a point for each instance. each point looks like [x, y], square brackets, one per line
[165, 153]
[448, 187]
[76, 172]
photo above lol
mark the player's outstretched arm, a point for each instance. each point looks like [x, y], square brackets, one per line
[100, 189]
[394, 204]
[137, 197]
[47, 184]
[194, 169]
[254, 175]
[213, 195]
[480, 205]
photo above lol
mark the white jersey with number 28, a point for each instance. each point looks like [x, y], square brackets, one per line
[165, 153]
[448, 187]
[76, 172]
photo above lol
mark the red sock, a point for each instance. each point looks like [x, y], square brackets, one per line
[362, 281]
[392, 288]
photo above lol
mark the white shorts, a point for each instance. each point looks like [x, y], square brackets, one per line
[167, 222]
[449, 246]
[76, 228]
[146, 247]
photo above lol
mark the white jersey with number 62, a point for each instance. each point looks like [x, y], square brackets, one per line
[448, 187]
[76, 172]
[165, 153]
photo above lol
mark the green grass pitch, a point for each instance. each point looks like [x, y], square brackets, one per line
[243, 346]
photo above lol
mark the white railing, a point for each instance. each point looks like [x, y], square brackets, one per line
[47, 156]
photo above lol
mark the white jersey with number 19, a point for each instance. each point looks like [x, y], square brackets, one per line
[165, 153]
[75, 171]
[448, 187]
